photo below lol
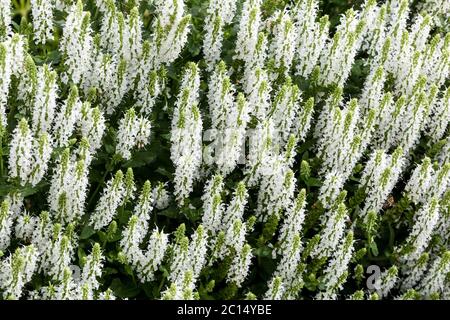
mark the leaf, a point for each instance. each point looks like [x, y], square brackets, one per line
[313, 182]
[305, 146]
[87, 232]
[124, 289]
[171, 212]
[164, 172]
[29, 190]
[81, 254]
[124, 216]
[141, 159]
[374, 248]
[109, 148]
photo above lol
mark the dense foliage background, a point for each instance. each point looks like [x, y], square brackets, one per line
[153, 163]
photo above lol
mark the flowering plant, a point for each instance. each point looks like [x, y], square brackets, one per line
[224, 149]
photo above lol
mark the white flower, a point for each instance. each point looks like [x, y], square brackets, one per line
[110, 80]
[293, 221]
[412, 118]
[332, 232]
[276, 190]
[373, 90]
[42, 13]
[340, 139]
[133, 49]
[27, 86]
[45, 99]
[439, 11]
[186, 139]
[219, 14]
[107, 295]
[133, 131]
[376, 37]
[424, 222]
[259, 98]
[287, 269]
[240, 266]
[235, 235]
[59, 258]
[15, 199]
[149, 84]
[236, 207]
[153, 256]
[434, 281]
[337, 58]
[114, 33]
[58, 252]
[16, 271]
[20, 157]
[80, 188]
[66, 289]
[17, 49]
[285, 112]
[331, 188]
[29, 156]
[189, 259]
[5, 225]
[282, 46]
[60, 188]
[261, 149]
[92, 125]
[380, 177]
[161, 196]
[275, 289]
[398, 12]
[133, 233]
[336, 272]
[76, 45]
[109, 201]
[137, 227]
[5, 18]
[419, 184]
[438, 117]
[247, 36]
[213, 207]
[414, 271]
[229, 117]
[386, 281]
[92, 269]
[171, 28]
[197, 251]
[63, 5]
[290, 247]
[24, 226]
[5, 80]
[42, 151]
[255, 64]
[66, 118]
[312, 35]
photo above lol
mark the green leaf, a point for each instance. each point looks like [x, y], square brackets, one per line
[171, 212]
[126, 289]
[141, 159]
[87, 232]
[313, 182]
[374, 248]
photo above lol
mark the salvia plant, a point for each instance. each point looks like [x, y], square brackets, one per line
[224, 149]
